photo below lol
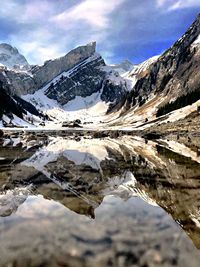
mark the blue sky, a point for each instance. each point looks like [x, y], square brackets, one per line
[123, 29]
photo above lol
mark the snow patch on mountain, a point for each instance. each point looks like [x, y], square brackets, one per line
[141, 70]
[123, 67]
[90, 108]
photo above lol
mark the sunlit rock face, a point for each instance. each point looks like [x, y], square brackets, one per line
[52, 68]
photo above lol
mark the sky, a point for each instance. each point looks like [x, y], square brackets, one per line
[123, 29]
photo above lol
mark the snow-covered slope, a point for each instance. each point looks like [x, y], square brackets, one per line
[84, 92]
[123, 67]
[140, 71]
[11, 58]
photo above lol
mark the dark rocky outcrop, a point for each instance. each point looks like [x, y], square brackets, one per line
[14, 105]
[85, 79]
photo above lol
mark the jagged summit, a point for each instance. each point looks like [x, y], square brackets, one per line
[11, 58]
[123, 67]
[79, 85]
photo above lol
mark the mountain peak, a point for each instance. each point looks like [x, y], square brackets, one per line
[11, 58]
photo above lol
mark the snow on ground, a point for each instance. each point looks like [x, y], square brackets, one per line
[136, 117]
[90, 108]
[40, 100]
[182, 112]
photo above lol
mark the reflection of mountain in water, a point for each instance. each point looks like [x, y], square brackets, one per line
[80, 174]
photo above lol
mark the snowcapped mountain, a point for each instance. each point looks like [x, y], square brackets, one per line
[76, 85]
[81, 86]
[164, 84]
[11, 58]
[141, 70]
[123, 67]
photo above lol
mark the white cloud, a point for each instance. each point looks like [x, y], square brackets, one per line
[26, 11]
[95, 13]
[47, 29]
[178, 4]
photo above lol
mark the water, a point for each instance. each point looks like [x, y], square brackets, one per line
[98, 202]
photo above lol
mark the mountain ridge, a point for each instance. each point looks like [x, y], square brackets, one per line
[129, 98]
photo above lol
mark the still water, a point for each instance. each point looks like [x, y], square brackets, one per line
[98, 202]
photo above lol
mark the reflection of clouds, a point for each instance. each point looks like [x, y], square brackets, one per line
[36, 207]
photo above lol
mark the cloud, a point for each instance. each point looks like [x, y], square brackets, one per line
[178, 4]
[95, 13]
[46, 29]
[131, 29]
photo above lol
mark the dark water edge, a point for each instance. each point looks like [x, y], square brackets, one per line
[83, 201]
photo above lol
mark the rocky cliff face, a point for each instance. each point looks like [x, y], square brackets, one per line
[175, 73]
[52, 68]
[81, 72]
[17, 82]
[21, 82]
[88, 77]
[13, 105]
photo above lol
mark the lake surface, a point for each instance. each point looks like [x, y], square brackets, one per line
[78, 201]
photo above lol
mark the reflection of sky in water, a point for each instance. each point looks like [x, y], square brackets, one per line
[48, 225]
[37, 208]
[97, 210]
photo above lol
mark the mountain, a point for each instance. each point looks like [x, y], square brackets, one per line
[176, 72]
[82, 74]
[13, 109]
[11, 58]
[166, 83]
[141, 70]
[123, 67]
[81, 86]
